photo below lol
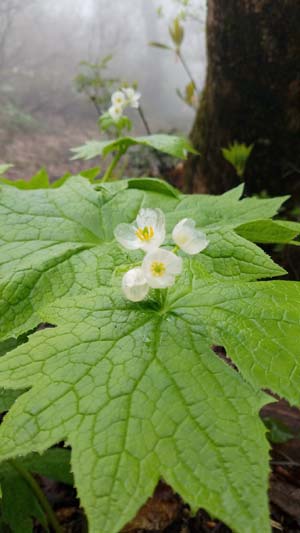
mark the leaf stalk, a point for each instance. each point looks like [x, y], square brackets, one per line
[40, 496]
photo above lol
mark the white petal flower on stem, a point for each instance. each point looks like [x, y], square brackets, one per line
[147, 232]
[160, 268]
[132, 97]
[188, 237]
[116, 111]
[134, 285]
[118, 98]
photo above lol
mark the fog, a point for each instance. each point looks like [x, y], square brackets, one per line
[43, 41]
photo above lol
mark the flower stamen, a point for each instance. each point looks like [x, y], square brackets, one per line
[158, 269]
[145, 234]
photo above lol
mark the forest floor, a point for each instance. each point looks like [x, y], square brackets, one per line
[48, 147]
[165, 511]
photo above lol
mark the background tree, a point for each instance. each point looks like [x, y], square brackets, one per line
[252, 95]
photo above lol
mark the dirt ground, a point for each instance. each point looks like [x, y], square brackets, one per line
[48, 145]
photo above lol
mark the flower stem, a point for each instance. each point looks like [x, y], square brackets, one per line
[113, 164]
[40, 496]
[145, 122]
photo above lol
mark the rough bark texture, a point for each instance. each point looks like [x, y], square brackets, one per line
[252, 95]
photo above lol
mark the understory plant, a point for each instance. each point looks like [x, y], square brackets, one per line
[132, 386]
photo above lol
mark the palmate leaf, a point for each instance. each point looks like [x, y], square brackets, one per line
[138, 394]
[59, 242]
[135, 389]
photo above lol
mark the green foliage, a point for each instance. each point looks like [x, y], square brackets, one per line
[41, 180]
[275, 231]
[19, 505]
[190, 94]
[176, 32]
[160, 45]
[108, 124]
[278, 432]
[95, 84]
[237, 154]
[135, 389]
[169, 144]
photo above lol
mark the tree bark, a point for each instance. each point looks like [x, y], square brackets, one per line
[252, 95]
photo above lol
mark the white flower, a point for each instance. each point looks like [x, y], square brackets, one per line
[160, 268]
[147, 233]
[134, 285]
[116, 111]
[118, 98]
[132, 97]
[188, 238]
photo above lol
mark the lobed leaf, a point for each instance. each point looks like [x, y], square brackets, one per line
[135, 389]
[59, 242]
[138, 394]
[169, 144]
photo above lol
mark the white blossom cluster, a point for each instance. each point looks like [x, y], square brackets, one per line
[159, 267]
[122, 99]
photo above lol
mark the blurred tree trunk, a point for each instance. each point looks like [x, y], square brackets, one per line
[252, 95]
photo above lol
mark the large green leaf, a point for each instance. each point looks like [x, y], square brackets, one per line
[58, 242]
[169, 144]
[138, 394]
[135, 389]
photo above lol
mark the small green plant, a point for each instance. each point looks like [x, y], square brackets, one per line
[176, 32]
[114, 119]
[95, 84]
[237, 154]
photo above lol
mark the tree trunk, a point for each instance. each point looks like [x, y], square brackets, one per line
[252, 95]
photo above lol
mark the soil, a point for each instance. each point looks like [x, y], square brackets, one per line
[46, 145]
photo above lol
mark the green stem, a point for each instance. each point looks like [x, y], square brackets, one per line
[40, 496]
[186, 68]
[113, 164]
[157, 293]
[175, 249]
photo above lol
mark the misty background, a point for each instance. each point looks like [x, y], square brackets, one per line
[42, 43]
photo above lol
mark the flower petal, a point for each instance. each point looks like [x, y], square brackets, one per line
[155, 219]
[115, 112]
[132, 97]
[134, 285]
[188, 238]
[118, 98]
[160, 268]
[125, 234]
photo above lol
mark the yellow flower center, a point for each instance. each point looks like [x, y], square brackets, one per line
[158, 269]
[145, 234]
